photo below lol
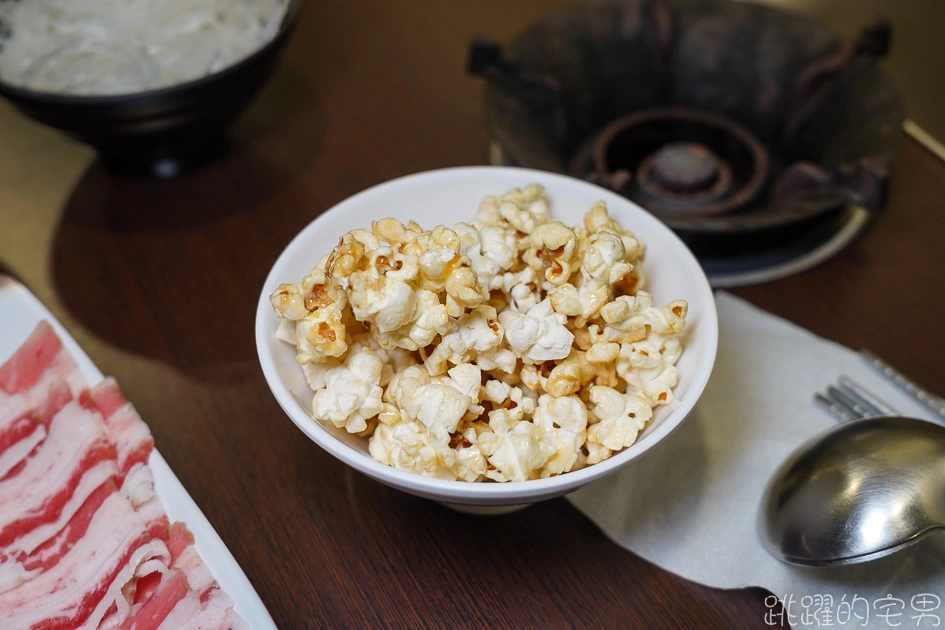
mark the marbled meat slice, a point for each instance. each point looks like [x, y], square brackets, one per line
[26, 377]
[126, 430]
[21, 436]
[68, 467]
[89, 580]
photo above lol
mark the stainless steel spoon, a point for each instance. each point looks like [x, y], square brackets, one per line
[860, 491]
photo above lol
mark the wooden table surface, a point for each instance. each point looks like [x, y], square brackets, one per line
[158, 280]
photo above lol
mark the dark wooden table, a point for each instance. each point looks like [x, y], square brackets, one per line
[159, 282]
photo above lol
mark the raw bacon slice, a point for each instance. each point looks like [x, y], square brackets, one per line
[38, 363]
[88, 581]
[172, 590]
[233, 621]
[51, 551]
[184, 556]
[138, 487]
[23, 434]
[84, 539]
[127, 431]
[192, 614]
[71, 464]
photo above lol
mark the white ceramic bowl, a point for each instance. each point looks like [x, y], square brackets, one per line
[447, 197]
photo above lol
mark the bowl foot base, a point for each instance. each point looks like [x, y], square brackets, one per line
[485, 510]
[164, 164]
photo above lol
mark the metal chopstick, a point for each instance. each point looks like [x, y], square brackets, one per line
[835, 410]
[928, 399]
[866, 399]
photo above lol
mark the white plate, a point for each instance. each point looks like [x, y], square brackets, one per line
[20, 312]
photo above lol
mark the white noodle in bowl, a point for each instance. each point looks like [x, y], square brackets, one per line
[112, 47]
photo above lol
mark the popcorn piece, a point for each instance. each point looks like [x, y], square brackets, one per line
[539, 335]
[531, 197]
[519, 403]
[596, 453]
[439, 404]
[462, 291]
[288, 302]
[352, 392]
[317, 373]
[551, 252]
[404, 385]
[563, 379]
[406, 445]
[501, 359]
[523, 288]
[648, 368]
[603, 353]
[347, 257]
[631, 318]
[467, 379]
[439, 407]
[567, 301]
[427, 320]
[477, 334]
[522, 210]
[524, 298]
[605, 259]
[496, 391]
[470, 464]
[320, 335]
[317, 292]
[393, 232]
[286, 331]
[384, 301]
[564, 421]
[491, 251]
[597, 220]
[439, 254]
[621, 417]
[517, 450]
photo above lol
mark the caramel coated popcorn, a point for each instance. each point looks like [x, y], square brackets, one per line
[513, 347]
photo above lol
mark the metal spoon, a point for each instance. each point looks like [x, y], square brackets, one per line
[860, 491]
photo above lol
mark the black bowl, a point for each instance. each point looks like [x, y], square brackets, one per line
[165, 131]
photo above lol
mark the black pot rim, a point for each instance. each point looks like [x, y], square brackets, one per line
[17, 93]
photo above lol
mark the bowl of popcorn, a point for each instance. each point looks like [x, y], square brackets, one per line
[486, 337]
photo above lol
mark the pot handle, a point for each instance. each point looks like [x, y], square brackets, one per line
[814, 84]
[866, 184]
[542, 95]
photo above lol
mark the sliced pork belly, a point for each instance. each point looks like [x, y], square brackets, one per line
[172, 589]
[88, 581]
[50, 552]
[70, 465]
[127, 431]
[84, 539]
[191, 613]
[184, 556]
[138, 488]
[23, 434]
[26, 376]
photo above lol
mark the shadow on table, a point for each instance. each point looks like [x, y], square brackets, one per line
[172, 269]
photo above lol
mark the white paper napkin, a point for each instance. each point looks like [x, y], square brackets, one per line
[690, 506]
